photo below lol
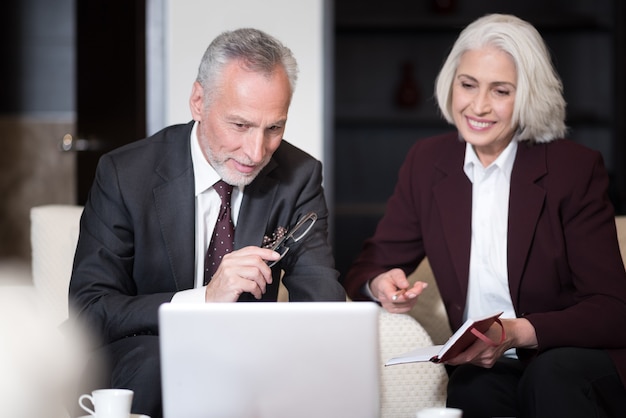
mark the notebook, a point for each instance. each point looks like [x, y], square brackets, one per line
[274, 360]
[470, 331]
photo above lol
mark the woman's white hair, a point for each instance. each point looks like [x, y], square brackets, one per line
[539, 110]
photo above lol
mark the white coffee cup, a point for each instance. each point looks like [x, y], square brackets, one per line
[438, 413]
[108, 403]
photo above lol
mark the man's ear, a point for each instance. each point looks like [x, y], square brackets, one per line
[196, 101]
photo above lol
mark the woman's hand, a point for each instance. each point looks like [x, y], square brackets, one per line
[392, 289]
[519, 333]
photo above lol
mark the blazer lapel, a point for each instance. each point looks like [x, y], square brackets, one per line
[453, 197]
[256, 208]
[525, 203]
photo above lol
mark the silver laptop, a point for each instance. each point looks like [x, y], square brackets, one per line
[274, 360]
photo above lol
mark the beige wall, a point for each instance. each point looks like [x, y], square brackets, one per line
[190, 25]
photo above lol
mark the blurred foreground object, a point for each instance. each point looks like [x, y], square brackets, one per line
[40, 362]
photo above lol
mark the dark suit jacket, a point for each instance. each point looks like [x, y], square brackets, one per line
[566, 274]
[137, 234]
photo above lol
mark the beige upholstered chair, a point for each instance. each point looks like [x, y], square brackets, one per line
[54, 235]
[407, 388]
[429, 311]
[620, 223]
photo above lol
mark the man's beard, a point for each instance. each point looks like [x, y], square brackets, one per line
[232, 176]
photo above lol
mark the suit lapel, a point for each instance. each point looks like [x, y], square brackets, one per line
[175, 207]
[525, 203]
[256, 208]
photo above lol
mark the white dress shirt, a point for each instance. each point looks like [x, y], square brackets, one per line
[208, 204]
[488, 288]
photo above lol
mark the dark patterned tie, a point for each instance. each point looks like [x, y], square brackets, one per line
[223, 234]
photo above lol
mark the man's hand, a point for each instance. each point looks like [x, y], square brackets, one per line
[392, 290]
[244, 270]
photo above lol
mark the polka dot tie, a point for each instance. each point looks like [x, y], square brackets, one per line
[223, 234]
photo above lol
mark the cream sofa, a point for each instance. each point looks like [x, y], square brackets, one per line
[404, 388]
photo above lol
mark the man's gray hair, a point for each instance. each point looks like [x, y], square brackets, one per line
[257, 51]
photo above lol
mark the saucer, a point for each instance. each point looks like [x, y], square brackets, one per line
[131, 416]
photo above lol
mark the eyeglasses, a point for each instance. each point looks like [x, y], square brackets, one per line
[298, 232]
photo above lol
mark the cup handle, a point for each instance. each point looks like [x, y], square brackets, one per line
[90, 399]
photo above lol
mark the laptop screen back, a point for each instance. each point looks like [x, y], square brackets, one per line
[315, 359]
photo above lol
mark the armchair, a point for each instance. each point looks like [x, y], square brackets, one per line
[54, 235]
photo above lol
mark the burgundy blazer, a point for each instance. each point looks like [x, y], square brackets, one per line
[566, 274]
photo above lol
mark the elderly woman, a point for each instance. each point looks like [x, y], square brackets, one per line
[512, 218]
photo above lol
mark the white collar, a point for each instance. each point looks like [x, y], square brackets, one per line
[504, 161]
[204, 174]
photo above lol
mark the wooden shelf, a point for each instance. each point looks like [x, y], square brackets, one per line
[430, 122]
[386, 121]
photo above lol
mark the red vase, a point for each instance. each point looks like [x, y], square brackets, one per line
[407, 93]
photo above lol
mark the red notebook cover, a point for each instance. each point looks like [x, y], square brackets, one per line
[465, 336]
